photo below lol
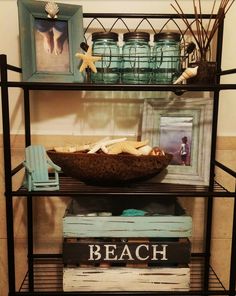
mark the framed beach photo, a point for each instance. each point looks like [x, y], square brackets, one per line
[182, 127]
[48, 43]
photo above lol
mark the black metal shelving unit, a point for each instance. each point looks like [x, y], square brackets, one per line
[44, 276]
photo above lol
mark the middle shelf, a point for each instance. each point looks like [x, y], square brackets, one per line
[119, 87]
[73, 187]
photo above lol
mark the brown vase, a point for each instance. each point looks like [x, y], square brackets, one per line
[206, 73]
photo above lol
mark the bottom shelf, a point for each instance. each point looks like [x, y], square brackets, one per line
[48, 275]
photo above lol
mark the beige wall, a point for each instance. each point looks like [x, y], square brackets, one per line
[67, 121]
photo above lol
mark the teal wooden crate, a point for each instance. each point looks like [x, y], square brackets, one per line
[174, 225]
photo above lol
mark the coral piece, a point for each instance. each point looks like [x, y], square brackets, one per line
[188, 73]
[88, 60]
[133, 213]
[52, 9]
[72, 148]
[127, 147]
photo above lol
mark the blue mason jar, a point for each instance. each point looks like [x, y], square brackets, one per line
[166, 57]
[136, 55]
[105, 45]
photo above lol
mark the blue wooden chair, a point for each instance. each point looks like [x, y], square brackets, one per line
[37, 165]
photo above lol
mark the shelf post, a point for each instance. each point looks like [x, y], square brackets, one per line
[27, 117]
[7, 172]
[30, 243]
[232, 277]
[210, 199]
[29, 198]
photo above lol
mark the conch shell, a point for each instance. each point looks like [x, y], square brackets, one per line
[52, 9]
[188, 73]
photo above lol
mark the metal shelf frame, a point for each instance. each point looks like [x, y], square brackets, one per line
[70, 187]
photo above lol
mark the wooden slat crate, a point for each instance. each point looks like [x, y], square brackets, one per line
[114, 251]
[174, 225]
[126, 279]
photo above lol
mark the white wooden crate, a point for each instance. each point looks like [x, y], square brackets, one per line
[126, 279]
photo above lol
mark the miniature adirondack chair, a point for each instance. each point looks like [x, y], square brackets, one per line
[37, 164]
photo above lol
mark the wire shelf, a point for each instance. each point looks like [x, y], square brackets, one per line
[73, 187]
[48, 277]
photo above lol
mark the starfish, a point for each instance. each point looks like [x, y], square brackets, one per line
[103, 143]
[127, 146]
[88, 60]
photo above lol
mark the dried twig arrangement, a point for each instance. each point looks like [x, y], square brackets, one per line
[204, 33]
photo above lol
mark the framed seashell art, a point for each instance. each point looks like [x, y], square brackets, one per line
[181, 126]
[50, 35]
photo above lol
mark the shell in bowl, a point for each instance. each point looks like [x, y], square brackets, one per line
[108, 169]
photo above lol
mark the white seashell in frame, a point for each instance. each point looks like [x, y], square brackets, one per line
[52, 9]
[188, 73]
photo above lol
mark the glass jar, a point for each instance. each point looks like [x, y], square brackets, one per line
[166, 57]
[136, 54]
[105, 44]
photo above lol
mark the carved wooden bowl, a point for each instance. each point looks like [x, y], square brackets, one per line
[107, 169]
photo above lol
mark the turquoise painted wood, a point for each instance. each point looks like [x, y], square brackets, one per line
[118, 226]
[37, 164]
[28, 11]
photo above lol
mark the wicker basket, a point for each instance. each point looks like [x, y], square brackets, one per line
[109, 169]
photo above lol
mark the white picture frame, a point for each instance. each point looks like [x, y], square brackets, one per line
[178, 117]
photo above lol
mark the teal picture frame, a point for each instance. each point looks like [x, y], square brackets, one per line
[40, 59]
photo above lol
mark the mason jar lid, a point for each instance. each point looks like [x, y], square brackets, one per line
[167, 36]
[136, 35]
[105, 35]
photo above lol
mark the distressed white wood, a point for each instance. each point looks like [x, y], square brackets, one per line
[200, 109]
[126, 279]
[118, 226]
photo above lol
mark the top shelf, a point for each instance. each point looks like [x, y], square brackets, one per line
[111, 22]
[80, 86]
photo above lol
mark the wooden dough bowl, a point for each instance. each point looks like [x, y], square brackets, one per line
[108, 169]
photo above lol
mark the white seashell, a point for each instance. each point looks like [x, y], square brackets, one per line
[52, 9]
[105, 214]
[188, 73]
[91, 214]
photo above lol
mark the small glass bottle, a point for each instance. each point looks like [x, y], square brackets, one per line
[166, 57]
[105, 44]
[136, 54]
